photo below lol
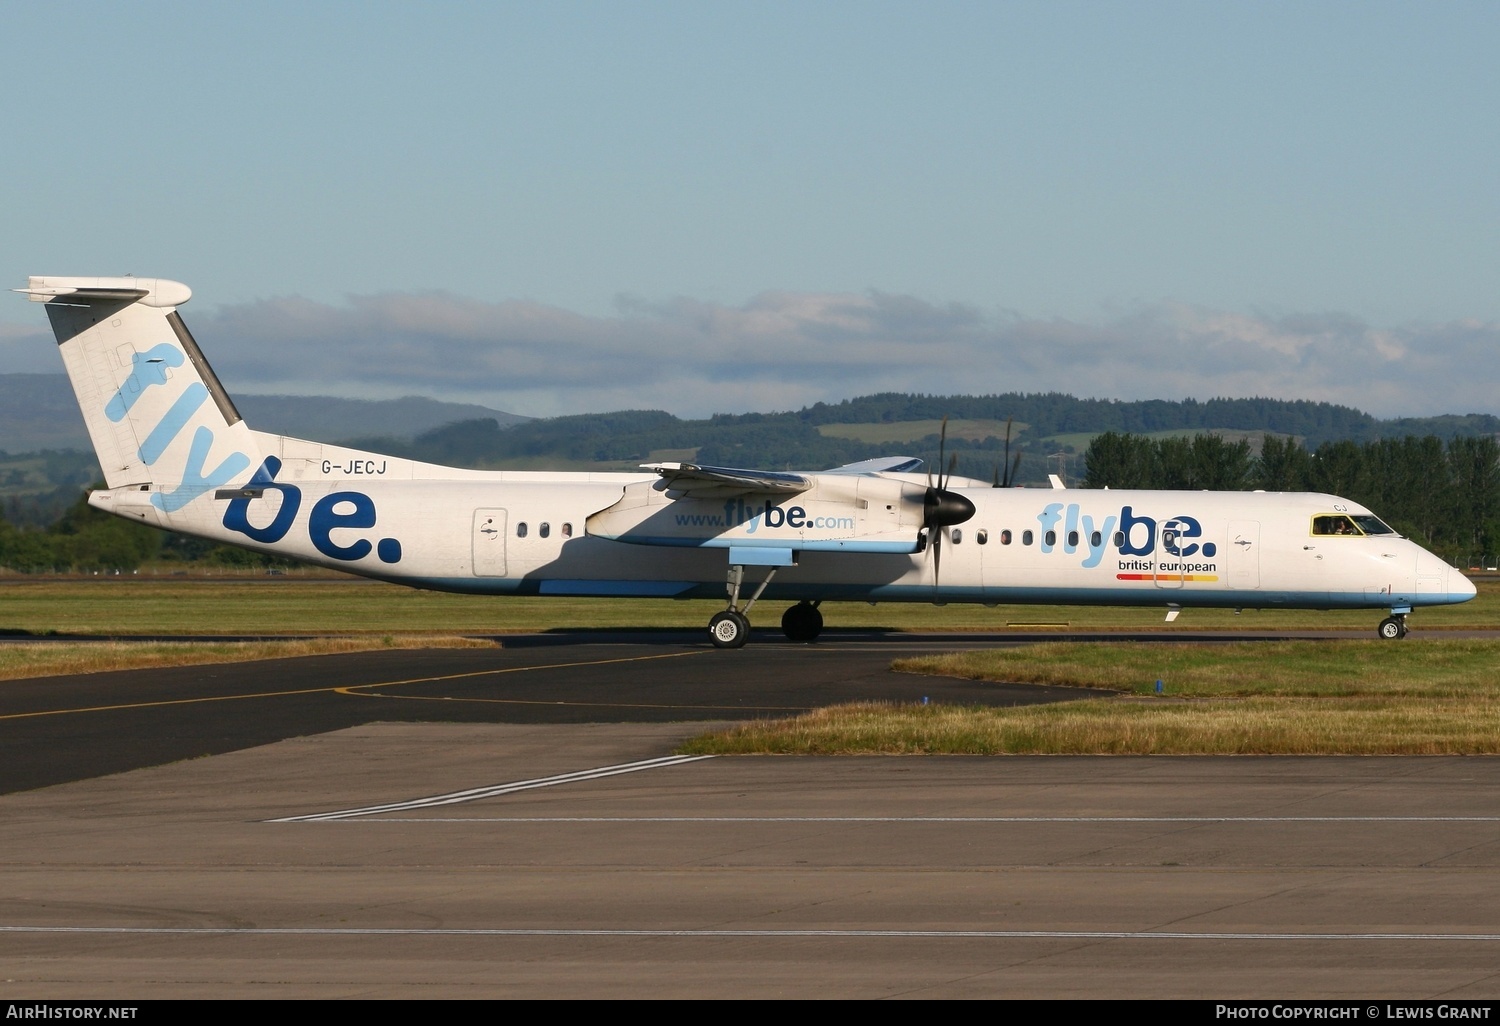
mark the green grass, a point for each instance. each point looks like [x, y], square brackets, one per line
[306, 604]
[1436, 696]
[1079, 440]
[1430, 668]
[48, 659]
[1427, 694]
[1249, 726]
[884, 433]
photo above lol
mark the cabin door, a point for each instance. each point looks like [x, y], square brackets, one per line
[489, 543]
[1242, 555]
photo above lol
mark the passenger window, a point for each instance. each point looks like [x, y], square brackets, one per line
[1096, 539]
[545, 529]
[1004, 537]
[982, 536]
[1025, 537]
[1051, 538]
[1072, 539]
[1119, 539]
[958, 536]
[567, 530]
[521, 529]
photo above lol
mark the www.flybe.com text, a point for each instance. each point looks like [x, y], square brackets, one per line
[754, 517]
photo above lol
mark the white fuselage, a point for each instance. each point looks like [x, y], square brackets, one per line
[531, 533]
[176, 454]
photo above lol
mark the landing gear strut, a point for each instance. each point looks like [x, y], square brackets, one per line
[802, 622]
[1392, 628]
[731, 628]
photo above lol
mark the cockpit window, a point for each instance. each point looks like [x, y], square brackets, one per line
[1371, 525]
[1335, 524]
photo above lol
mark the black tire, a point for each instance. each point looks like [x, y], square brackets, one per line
[802, 622]
[728, 630]
[1391, 629]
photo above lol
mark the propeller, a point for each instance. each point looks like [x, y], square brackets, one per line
[941, 508]
[1011, 466]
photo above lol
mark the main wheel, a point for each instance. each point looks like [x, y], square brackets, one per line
[729, 630]
[802, 622]
[1391, 628]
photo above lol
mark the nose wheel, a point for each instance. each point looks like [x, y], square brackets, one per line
[1392, 628]
[729, 629]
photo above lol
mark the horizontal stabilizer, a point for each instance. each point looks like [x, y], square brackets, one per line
[156, 292]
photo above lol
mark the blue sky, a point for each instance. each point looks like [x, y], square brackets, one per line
[563, 207]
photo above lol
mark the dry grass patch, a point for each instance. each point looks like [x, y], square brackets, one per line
[1253, 726]
[58, 658]
[1431, 668]
[1434, 697]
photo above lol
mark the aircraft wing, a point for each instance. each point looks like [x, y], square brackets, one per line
[880, 465]
[694, 481]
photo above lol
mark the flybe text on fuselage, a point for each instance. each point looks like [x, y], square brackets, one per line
[1067, 528]
[738, 513]
[343, 511]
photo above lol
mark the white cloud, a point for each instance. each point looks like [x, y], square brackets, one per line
[783, 350]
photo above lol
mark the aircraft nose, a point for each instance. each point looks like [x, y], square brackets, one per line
[1460, 586]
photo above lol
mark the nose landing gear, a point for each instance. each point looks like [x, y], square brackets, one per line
[1393, 628]
[731, 628]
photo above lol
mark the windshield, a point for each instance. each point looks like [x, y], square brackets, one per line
[1371, 524]
[1349, 525]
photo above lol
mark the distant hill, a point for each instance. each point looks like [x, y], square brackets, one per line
[1050, 430]
[38, 411]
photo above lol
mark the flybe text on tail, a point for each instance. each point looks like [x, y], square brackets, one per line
[150, 370]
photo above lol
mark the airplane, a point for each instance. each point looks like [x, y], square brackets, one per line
[177, 455]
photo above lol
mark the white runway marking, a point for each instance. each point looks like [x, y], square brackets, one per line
[937, 819]
[474, 794]
[295, 931]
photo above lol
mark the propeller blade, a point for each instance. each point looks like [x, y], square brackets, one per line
[1008, 422]
[941, 508]
[942, 447]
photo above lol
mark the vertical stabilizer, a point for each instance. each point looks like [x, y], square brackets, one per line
[158, 417]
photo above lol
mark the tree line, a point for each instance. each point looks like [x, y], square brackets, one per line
[88, 540]
[1443, 494]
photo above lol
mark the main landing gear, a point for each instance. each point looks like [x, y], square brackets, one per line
[1393, 628]
[731, 628]
[802, 622]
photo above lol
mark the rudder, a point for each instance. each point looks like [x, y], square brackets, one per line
[157, 415]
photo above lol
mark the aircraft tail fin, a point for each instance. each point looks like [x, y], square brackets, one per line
[159, 419]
